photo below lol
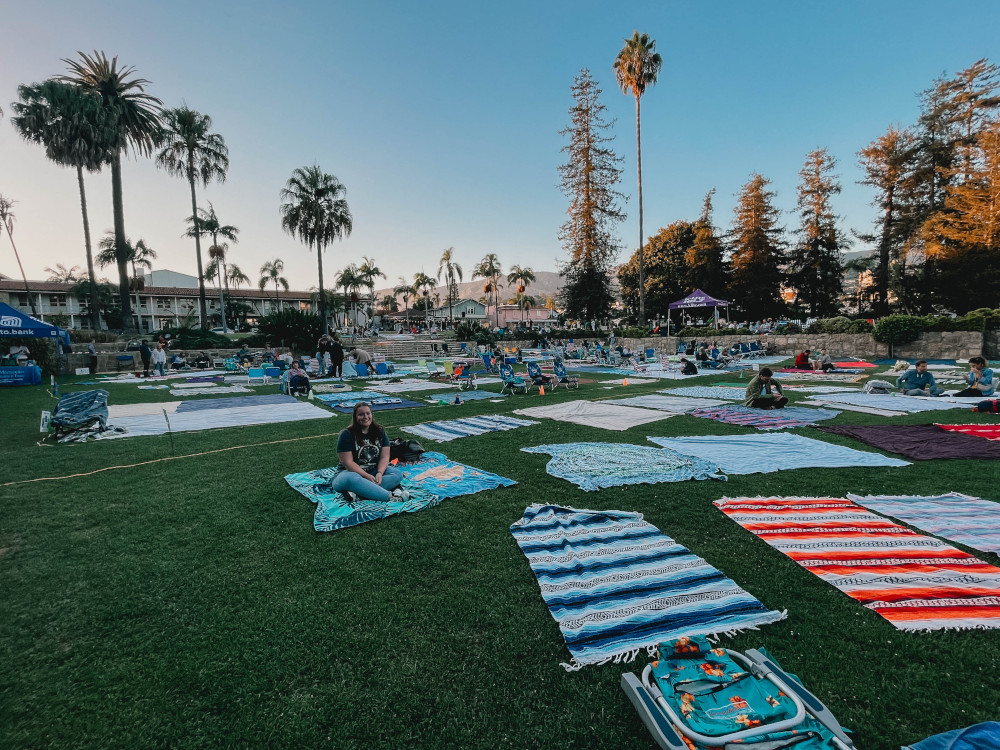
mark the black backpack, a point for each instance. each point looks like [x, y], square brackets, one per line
[407, 451]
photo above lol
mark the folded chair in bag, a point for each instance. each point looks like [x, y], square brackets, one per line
[562, 378]
[83, 410]
[695, 697]
[511, 383]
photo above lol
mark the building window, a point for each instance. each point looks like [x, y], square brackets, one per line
[22, 300]
[57, 300]
[163, 303]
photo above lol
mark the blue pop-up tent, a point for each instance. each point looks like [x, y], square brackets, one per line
[17, 324]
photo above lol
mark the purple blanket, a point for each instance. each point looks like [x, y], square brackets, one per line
[748, 417]
[920, 442]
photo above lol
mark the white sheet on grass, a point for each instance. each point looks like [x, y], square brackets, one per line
[909, 404]
[856, 408]
[596, 414]
[631, 381]
[207, 419]
[675, 404]
[411, 385]
[210, 391]
[116, 411]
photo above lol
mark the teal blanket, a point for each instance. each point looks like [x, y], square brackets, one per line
[429, 481]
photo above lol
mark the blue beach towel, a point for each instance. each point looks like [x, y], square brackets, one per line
[616, 584]
[593, 466]
[429, 481]
[332, 398]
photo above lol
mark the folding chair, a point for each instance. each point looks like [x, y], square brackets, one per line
[650, 354]
[256, 373]
[381, 370]
[489, 363]
[361, 370]
[511, 383]
[127, 360]
[538, 378]
[562, 377]
[464, 377]
[218, 364]
[271, 372]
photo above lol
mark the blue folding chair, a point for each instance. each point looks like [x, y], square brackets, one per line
[361, 370]
[563, 378]
[511, 383]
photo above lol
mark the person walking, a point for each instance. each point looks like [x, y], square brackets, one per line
[145, 353]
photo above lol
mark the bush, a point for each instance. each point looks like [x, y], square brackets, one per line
[294, 329]
[860, 326]
[899, 329]
[983, 319]
[692, 332]
[476, 333]
[185, 337]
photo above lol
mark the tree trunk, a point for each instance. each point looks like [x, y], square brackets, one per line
[882, 284]
[121, 251]
[138, 307]
[95, 310]
[202, 302]
[322, 293]
[27, 290]
[225, 283]
[638, 150]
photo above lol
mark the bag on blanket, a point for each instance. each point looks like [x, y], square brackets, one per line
[879, 386]
[407, 451]
[988, 407]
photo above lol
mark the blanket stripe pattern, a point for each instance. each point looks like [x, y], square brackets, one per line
[333, 398]
[765, 420]
[451, 429]
[988, 431]
[428, 481]
[593, 466]
[706, 391]
[960, 518]
[915, 582]
[616, 584]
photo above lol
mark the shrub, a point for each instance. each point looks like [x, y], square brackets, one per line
[476, 333]
[839, 324]
[860, 326]
[899, 329]
[184, 337]
[294, 329]
[701, 333]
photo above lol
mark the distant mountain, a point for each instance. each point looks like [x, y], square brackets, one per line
[546, 284]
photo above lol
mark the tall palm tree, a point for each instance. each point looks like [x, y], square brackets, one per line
[522, 277]
[270, 273]
[636, 67]
[69, 122]
[236, 276]
[423, 284]
[133, 120]
[369, 272]
[139, 255]
[406, 291]
[206, 224]
[350, 281]
[450, 269]
[7, 222]
[315, 210]
[489, 269]
[62, 274]
[190, 150]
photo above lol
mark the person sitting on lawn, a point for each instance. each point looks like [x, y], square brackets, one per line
[823, 362]
[203, 361]
[917, 381]
[703, 353]
[761, 391]
[688, 367]
[802, 361]
[981, 379]
[177, 362]
[298, 380]
[363, 449]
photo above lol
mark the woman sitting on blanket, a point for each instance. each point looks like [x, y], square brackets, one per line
[981, 379]
[298, 380]
[363, 449]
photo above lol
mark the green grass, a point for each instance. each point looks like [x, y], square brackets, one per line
[190, 603]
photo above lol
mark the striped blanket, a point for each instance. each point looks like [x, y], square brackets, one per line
[988, 431]
[450, 429]
[915, 582]
[333, 398]
[777, 419]
[593, 466]
[616, 584]
[705, 391]
[960, 518]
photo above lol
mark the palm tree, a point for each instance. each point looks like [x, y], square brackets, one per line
[423, 284]
[406, 291]
[190, 150]
[7, 220]
[368, 273]
[489, 269]
[350, 280]
[389, 302]
[270, 273]
[522, 277]
[315, 210]
[636, 67]
[133, 121]
[62, 274]
[236, 276]
[204, 224]
[139, 255]
[451, 269]
[68, 122]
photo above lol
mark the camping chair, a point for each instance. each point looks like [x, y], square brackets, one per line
[538, 378]
[272, 372]
[432, 369]
[463, 376]
[562, 378]
[125, 359]
[381, 370]
[650, 354]
[633, 364]
[490, 363]
[511, 383]
[361, 370]
[256, 373]
[755, 349]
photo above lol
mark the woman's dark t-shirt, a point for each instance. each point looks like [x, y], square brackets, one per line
[367, 451]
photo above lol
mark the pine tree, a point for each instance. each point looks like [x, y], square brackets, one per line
[757, 243]
[815, 268]
[588, 179]
[705, 259]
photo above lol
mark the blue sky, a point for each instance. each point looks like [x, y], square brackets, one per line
[443, 118]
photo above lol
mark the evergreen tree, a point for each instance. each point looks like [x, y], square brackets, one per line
[756, 241]
[588, 179]
[815, 268]
[705, 259]
[665, 269]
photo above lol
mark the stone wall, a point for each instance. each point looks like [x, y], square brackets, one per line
[991, 345]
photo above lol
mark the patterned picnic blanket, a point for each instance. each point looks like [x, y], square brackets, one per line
[429, 481]
[333, 398]
[909, 404]
[777, 419]
[915, 582]
[960, 518]
[832, 377]
[616, 584]
[704, 391]
[988, 431]
[762, 453]
[592, 466]
[445, 430]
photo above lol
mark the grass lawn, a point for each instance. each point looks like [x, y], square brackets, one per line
[190, 603]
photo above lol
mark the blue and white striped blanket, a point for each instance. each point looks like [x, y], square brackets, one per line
[616, 584]
[451, 429]
[705, 391]
[333, 398]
